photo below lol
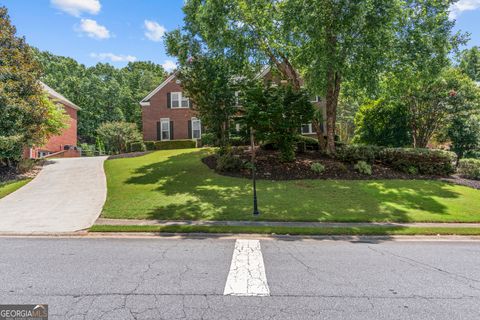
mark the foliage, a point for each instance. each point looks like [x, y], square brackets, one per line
[469, 168]
[353, 153]
[103, 92]
[150, 145]
[470, 63]
[27, 116]
[363, 168]
[417, 160]
[475, 154]
[208, 139]
[26, 165]
[276, 113]
[238, 141]
[229, 161]
[116, 135]
[137, 146]
[88, 150]
[382, 123]
[99, 146]
[310, 143]
[464, 134]
[317, 167]
[174, 144]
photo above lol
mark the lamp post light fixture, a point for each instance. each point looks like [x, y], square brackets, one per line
[255, 203]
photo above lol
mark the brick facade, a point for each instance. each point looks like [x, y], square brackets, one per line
[158, 109]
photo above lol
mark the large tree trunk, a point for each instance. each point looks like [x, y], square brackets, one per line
[318, 129]
[333, 91]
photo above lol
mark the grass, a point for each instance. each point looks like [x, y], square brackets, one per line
[389, 231]
[10, 186]
[176, 185]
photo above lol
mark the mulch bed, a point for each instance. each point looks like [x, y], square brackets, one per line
[462, 181]
[9, 174]
[269, 167]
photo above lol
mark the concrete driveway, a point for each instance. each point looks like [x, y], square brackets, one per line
[67, 195]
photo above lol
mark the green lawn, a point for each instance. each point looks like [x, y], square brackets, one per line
[10, 186]
[176, 185]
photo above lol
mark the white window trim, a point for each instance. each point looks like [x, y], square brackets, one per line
[199, 127]
[310, 128]
[180, 97]
[237, 99]
[163, 120]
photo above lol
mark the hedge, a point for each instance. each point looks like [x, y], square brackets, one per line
[137, 146]
[172, 144]
[354, 153]
[469, 168]
[419, 161]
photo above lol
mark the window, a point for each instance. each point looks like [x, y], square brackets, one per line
[307, 128]
[196, 128]
[314, 98]
[178, 100]
[237, 127]
[165, 129]
[237, 99]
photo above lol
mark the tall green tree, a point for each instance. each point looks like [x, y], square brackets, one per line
[27, 116]
[470, 62]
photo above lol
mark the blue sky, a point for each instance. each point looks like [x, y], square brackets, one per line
[118, 31]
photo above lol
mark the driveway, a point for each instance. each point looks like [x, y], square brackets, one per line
[67, 195]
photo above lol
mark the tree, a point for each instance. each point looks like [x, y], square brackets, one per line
[470, 63]
[276, 113]
[464, 134]
[27, 116]
[116, 135]
[382, 123]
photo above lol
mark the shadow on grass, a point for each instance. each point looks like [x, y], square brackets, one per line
[191, 191]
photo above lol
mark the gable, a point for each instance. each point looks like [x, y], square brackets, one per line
[146, 101]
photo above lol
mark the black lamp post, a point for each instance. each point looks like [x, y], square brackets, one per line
[255, 204]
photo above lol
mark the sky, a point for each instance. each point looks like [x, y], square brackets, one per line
[119, 31]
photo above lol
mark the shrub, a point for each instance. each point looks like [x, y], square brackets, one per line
[150, 145]
[25, 165]
[138, 146]
[363, 168]
[175, 144]
[310, 143]
[424, 161]
[229, 162]
[317, 167]
[353, 153]
[208, 139]
[472, 154]
[268, 145]
[116, 135]
[238, 141]
[301, 147]
[469, 168]
[88, 150]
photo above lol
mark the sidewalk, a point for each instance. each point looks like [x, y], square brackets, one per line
[133, 222]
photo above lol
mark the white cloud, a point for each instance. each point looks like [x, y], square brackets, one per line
[169, 65]
[463, 5]
[154, 31]
[113, 57]
[77, 7]
[93, 29]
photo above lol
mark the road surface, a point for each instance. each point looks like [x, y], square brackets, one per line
[205, 278]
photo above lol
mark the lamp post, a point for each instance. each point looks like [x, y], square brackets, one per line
[255, 204]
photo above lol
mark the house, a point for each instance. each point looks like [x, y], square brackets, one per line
[65, 144]
[167, 112]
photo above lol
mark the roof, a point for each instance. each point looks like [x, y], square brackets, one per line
[57, 96]
[146, 101]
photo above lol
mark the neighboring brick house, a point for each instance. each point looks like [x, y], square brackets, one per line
[167, 113]
[65, 144]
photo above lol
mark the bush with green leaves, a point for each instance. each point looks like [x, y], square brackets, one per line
[88, 150]
[472, 154]
[363, 168]
[356, 152]
[276, 113]
[208, 139]
[228, 162]
[424, 161]
[150, 145]
[175, 144]
[116, 135]
[137, 146]
[317, 167]
[237, 141]
[469, 168]
[310, 143]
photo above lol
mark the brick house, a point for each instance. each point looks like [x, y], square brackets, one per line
[65, 144]
[167, 113]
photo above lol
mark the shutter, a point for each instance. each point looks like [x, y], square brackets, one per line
[169, 100]
[171, 130]
[159, 134]
[189, 129]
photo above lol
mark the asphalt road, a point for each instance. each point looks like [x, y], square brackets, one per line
[185, 279]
